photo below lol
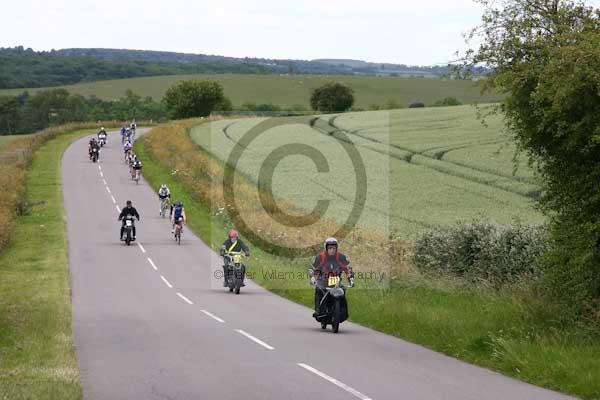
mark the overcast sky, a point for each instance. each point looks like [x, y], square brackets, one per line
[413, 32]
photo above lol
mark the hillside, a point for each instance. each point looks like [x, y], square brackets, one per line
[21, 68]
[319, 66]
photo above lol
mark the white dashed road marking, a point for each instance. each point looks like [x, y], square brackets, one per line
[141, 247]
[337, 383]
[166, 281]
[213, 316]
[256, 340]
[184, 298]
[152, 263]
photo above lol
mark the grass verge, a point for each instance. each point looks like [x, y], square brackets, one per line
[37, 357]
[480, 326]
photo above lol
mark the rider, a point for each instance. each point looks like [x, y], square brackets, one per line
[233, 243]
[126, 146]
[94, 145]
[128, 210]
[130, 159]
[133, 127]
[136, 165]
[328, 262]
[163, 193]
[177, 211]
[102, 131]
[123, 132]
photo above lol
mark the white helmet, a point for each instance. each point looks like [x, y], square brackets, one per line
[102, 128]
[331, 241]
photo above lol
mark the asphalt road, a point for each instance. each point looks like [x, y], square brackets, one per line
[149, 322]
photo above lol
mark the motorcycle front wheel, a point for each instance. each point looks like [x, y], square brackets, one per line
[335, 319]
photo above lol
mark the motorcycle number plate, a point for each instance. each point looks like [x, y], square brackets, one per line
[333, 280]
[128, 223]
[237, 258]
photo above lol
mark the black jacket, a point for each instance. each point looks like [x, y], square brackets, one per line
[239, 246]
[129, 211]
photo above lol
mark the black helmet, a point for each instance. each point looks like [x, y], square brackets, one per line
[128, 203]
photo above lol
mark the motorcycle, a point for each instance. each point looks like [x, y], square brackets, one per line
[128, 230]
[333, 308]
[178, 229]
[94, 154]
[235, 270]
[102, 140]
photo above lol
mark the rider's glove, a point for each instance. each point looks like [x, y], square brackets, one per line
[313, 280]
[351, 282]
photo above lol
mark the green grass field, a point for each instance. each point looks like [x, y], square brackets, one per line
[424, 167]
[37, 356]
[287, 91]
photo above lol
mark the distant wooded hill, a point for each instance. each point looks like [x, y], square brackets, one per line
[26, 68]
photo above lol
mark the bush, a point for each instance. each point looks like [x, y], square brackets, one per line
[332, 97]
[392, 105]
[447, 102]
[194, 98]
[483, 251]
[416, 104]
[249, 106]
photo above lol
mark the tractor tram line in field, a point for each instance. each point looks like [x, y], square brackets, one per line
[533, 193]
[439, 155]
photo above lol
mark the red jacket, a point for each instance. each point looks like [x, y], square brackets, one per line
[324, 265]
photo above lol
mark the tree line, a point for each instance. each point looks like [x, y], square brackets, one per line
[25, 68]
[27, 113]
